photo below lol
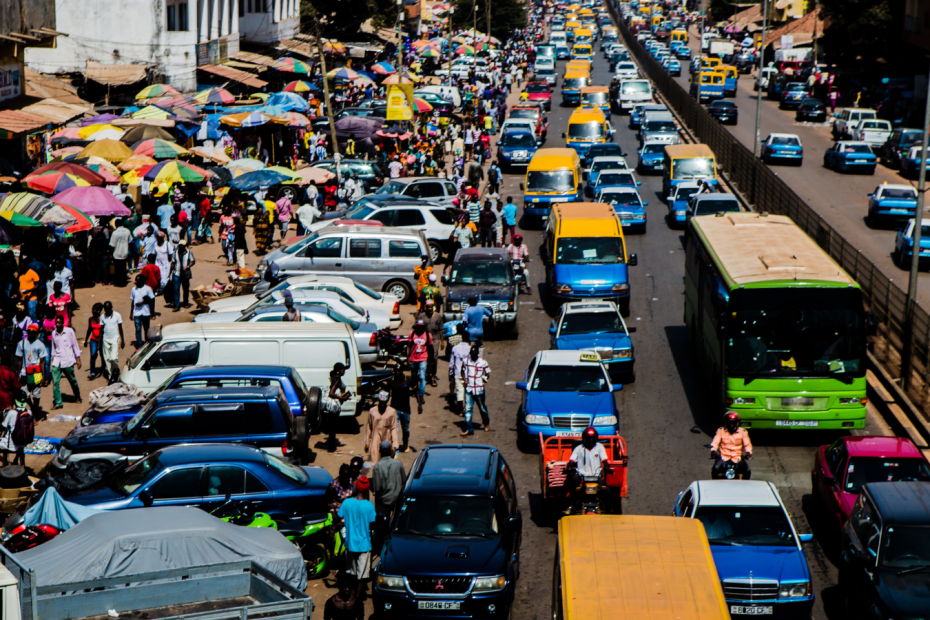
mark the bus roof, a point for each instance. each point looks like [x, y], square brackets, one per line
[575, 219]
[638, 567]
[576, 73]
[586, 115]
[753, 248]
[686, 151]
[553, 159]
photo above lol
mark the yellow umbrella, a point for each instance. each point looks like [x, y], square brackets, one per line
[110, 150]
[285, 171]
[131, 178]
[86, 132]
[137, 161]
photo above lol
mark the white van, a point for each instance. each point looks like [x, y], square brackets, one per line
[633, 92]
[449, 93]
[311, 348]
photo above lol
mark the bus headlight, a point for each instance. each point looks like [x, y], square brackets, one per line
[854, 401]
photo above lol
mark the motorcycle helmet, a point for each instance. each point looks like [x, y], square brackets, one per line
[517, 238]
[731, 420]
[589, 437]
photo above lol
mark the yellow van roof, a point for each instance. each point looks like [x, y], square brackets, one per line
[576, 73]
[582, 31]
[586, 115]
[553, 159]
[575, 219]
[625, 566]
[684, 151]
[594, 89]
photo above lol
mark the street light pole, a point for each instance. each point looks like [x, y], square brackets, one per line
[451, 11]
[765, 19]
[915, 253]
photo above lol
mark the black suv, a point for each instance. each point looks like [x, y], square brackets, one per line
[485, 273]
[454, 544]
[886, 552]
[259, 416]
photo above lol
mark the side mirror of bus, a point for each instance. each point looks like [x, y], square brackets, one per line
[552, 328]
[633, 260]
[645, 204]
[521, 187]
[521, 385]
[871, 324]
[563, 135]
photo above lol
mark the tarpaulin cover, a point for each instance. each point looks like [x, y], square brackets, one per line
[122, 543]
[52, 509]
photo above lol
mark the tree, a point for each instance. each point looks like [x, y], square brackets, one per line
[506, 15]
[857, 29]
[340, 18]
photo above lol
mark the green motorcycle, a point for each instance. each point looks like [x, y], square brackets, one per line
[319, 541]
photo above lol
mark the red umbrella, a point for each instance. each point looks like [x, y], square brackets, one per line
[65, 166]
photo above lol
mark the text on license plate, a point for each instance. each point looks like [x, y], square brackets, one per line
[751, 611]
[441, 605]
[567, 433]
[795, 422]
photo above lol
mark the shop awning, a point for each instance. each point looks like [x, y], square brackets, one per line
[234, 74]
[19, 122]
[57, 112]
[115, 75]
[252, 57]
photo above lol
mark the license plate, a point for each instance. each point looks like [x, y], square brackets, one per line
[440, 605]
[859, 161]
[812, 423]
[625, 223]
[567, 433]
[797, 401]
[751, 611]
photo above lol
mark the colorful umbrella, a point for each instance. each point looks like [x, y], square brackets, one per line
[171, 172]
[110, 150]
[342, 73]
[68, 133]
[467, 50]
[282, 170]
[132, 177]
[299, 87]
[421, 106]
[137, 161]
[213, 154]
[257, 179]
[18, 219]
[81, 221]
[155, 90]
[107, 175]
[292, 65]
[108, 134]
[313, 175]
[250, 119]
[88, 175]
[334, 47]
[159, 149]
[100, 118]
[85, 133]
[430, 52]
[238, 171]
[251, 164]
[95, 201]
[100, 163]
[420, 43]
[146, 132]
[68, 150]
[262, 96]
[400, 78]
[43, 210]
[383, 68]
[54, 182]
[214, 95]
[296, 119]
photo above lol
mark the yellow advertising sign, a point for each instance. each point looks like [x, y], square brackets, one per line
[400, 102]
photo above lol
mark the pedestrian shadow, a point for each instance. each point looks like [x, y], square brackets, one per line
[542, 512]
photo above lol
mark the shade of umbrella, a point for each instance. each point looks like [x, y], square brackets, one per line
[342, 73]
[155, 90]
[68, 150]
[238, 171]
[251, 164]
[296, 119]
[44, 210]
[421, 105]
[257, 179]
[466, 50]
[171, 172]
[18, 219]
[95, 201]
[313, 175]
[213, 154]
[383, 68]
[250, 119]
[299, 86]
[54, 182]
[9, 234]
[399, 78]
[420, 43]
[107, 175]
[158, 148]
[262, 96]
[108, 134]
[137, 161]
[214, 95]
[88, 175]
[72, 133]
[85, 133]
[146, 132]
[430, 52]
[282, 170]
[110, 150]
[292, 65]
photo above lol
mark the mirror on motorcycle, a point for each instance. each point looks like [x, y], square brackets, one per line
[521, 385]
[146, 498]
[633, 260]
[552, 328]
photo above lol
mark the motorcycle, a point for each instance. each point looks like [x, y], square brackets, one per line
[594, 496]
[391, 345]
[373, 381]
[518, 276]
[729, 470]
[17, 536]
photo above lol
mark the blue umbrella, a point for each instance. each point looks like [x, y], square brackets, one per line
[254, 180]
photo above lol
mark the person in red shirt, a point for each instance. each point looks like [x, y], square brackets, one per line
[60, 302]
[9, 383]
[152, 275]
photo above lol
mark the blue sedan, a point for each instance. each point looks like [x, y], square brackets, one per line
[891, 203]
[516, 148]
[678, 202]
[850, 156]
[904, 245]
[628, 205]
[201, 475]
[652, 157]
[596, 326]
[782, 148]
[611, 178]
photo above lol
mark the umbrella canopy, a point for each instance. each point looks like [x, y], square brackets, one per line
[357, 127]
[221, 176]
[71, 133]
[383, 68]
[155, 90]
[46, 211]
[251, 164]
[400, 78]
[96, 161]
[262, 96]
[342, 73]
[107, 175]
[137, 161]
[430, 52]
[257, 179]
[18, 219]
[171, 172]
[394, 132]
[296, 119]
[213, 154]
[95, 201]
[313, 175]
[88, 175]
[421, 43]
[100, 118]
[292, 65]
[250, 119]
[238, 171]
[158, 148]
[214, 95]
[146, 132]
[299, 86]
[110, 150]
[54, 182]
[282, 170]
[84, 133]
[421, 106]
[9, 233]
[68, 150]
[466, 50]
[108, 134]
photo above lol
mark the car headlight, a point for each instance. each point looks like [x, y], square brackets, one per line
[64, 453]
[620, 288]
[539, 420]
[623, 354]
[87, 420]
[639, 217]
[563, 288]
[456, 307]
[794, 590]
[391, 582]
[490, 584]
[604, 420]
[854, 401]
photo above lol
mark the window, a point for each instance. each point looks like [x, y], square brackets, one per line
[683, 503]
[176, 13]
[172, 24]
[404, 249]
[174, 422]
[386, 217]
[220, 419]
[443, 216]
[361, 248]
[866, 524]
[177, 484]
[175, 355]
[227, 382]
[330, 247]
[258, 420]
[253, 484]
[450, 188]
[430, 190]
[410, 217]
[225, 479]
[836, 459]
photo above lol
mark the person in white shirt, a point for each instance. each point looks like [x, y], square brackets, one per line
[305, 216]
[586, 460]
[141, 312]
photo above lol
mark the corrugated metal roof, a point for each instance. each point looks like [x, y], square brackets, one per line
[17, 121]
[253, 58]
[114, 75]
[57, 112]
[234, 74]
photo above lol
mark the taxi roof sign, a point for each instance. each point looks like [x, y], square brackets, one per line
[589, 357]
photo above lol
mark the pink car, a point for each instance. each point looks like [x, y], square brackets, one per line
[841, 469]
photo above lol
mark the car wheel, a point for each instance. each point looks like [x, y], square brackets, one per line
[399, 289]
[314, 411]
[896, 258]
[288, 191]
[301, 438]
[871, 171]
[435, 251]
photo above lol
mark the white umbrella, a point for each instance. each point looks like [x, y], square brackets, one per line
[107, 134]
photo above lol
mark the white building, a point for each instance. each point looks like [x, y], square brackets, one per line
[171, 36]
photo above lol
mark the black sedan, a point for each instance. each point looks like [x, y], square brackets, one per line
[811, 109]
[724, 111]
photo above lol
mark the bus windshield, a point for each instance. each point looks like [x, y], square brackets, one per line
[795, 332]
[592, 129]
[574, 83]
[630, 88]
[594, 98]
[694, 168]
[589, 250]
[550, 181]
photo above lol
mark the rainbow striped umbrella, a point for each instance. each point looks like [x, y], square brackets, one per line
[54, 182]
[343, 73]
[214, 95]
[430, 52]
[158, 148]
[171, 172]
[292, 65]
[467, 50]
[155, 90]
[299, 86]
[420, 43]
[383, 68]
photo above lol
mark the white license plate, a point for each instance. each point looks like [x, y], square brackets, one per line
[859, 161]
[440, 605]
[567, 433]
[625, 223]
[751, 611]
[813, 423]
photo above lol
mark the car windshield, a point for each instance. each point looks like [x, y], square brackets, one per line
[518, 138]
[909, 138]
[291, 472]
[795, 87]
[605, 164]
[753, 526]
[708, 206]
[653, 148]
[581, 378]
[550, 181]
[134, 421]
[476, 272]
[447, 516]
[865, 469]
[856, 148]
[574, 83]
[795, 332]
[360, 213]
[591, 323]
[906, 547]
[339, 318]
[625, 66]
[589, 250]
[631, 88]
[609, 149]
[615, 178]
[525, 113]
[883, 125]
[128, 480]
[899, 194]
[540, 88]
[391, 187]
[694, 168]
[684, 193]
[591, 129]
[368, 291]
[136, 358]
[660, 126]
[621, 199]
[785, 141]
[598, 97]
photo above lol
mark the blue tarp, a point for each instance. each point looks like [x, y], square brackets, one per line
[288, 102]
[52, 509]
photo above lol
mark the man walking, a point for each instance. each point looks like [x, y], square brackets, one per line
[433, 321]
[387, 480]
[32, 356]
[457, 357]
[119, 241]
[113, 341]
[65, 356]
[181, 262]
[510, 220]
[358, 514]
[475, 372]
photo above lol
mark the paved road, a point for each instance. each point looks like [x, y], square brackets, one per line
[839, 198]
[663, 415]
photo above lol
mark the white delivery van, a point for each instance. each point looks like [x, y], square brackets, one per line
[311, 348]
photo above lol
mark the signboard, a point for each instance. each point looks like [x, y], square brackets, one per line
[400, 102]
[787, 41]
[11, 81]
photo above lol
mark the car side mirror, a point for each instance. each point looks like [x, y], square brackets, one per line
[638, 183]
[552, 328]
[836, 115]
[870, 195]
[622, 154]
[633, 260]
[147, 365]
[146, 498]
[631, 330]
[616, 388]
[563, 134]
[521, 187]
[669, 198]
[521, 385]
[829, 480]
[645, 204]
[514, 524]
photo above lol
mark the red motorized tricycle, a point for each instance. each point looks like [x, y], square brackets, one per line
[600, 494]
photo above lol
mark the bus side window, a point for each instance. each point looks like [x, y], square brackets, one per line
[693, 259]
[709, 293]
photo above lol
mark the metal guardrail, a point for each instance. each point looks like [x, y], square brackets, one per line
[767, 192]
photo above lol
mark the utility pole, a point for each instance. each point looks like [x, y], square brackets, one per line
[765, 19]
[814, 40]
[400, 42]
[329, 107]
[915, 259]
[487, 32]
[451, 11]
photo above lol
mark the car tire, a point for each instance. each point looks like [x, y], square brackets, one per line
[289, 192]
[302, 439]
[897, 259]
[400, 289]
[514, 331]
[525, 444]
[314, 412]
[435, 251]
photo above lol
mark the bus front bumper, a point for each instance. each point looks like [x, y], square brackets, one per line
[847, 418]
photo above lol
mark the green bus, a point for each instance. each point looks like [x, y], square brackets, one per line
[777, 326]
